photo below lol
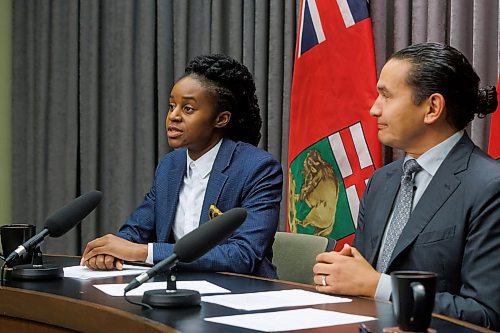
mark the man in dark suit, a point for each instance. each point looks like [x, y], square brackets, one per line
[443, 214]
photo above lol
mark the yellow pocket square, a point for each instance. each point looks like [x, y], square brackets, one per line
[213, 212]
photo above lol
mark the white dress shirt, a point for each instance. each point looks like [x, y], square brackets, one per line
[430, 161]
[191, 196]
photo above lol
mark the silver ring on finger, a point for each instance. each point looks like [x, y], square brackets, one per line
[323, 280]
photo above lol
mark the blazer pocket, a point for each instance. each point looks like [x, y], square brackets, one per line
[435, 236]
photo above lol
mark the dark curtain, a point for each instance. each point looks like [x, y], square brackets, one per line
[91, 80]
[45, 118]
[90, 87]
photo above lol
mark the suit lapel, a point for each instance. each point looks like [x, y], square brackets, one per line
[383, 206]
[174, 181]
[217, 177]
[441, 187]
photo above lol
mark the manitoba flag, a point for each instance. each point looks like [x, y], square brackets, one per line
[494, 144]
[333, 145]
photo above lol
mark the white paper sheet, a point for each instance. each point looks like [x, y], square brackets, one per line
[273, 299]
[203, 287]
[290, 320]
[82, 272]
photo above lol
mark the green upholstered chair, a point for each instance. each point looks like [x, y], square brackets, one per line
[294, 255]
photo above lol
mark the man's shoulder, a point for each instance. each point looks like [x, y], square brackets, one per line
[388, 168]
[483, 166]
[480, 157]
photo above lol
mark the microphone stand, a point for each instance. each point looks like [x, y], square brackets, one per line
[36, 270]
[171, 296]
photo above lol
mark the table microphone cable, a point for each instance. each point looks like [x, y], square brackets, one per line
[136, 302]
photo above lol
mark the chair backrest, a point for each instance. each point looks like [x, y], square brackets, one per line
[294, 255]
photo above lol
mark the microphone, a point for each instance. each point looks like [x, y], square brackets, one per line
[195, 244]
[60, 222]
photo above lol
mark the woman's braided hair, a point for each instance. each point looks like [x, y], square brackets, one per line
[234, 88]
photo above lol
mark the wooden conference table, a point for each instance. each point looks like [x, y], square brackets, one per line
[67, 305]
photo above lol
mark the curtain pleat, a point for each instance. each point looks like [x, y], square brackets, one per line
[44, 112]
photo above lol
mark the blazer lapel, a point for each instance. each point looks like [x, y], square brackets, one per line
[441, 187]
[217, 177]
[174, 181]
[383, 207]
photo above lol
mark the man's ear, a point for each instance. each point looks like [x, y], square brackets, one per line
[435, 108]
[222, 119]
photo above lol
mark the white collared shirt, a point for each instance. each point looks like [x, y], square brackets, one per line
[430, 161]
[191, 196]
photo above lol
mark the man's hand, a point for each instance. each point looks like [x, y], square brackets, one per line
[108, 252]
[346, 272]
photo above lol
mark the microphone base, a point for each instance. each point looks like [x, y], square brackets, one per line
[163, 298]
[34, 273]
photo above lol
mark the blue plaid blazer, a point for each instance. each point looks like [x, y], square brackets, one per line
[242, 176]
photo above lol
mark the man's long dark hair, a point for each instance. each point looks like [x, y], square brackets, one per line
[439, 68]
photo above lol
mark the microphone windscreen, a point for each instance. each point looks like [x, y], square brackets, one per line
[65, 218]
[199, 241]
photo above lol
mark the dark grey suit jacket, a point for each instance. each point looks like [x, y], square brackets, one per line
[454, 231]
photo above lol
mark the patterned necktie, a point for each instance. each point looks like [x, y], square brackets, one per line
[402, 211]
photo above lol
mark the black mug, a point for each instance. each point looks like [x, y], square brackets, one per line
[13, 235]
[413, 295]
